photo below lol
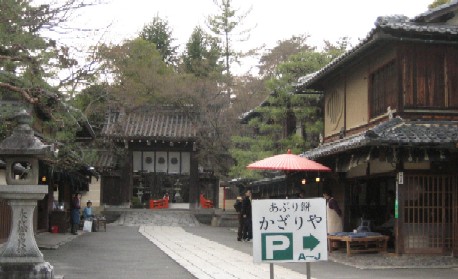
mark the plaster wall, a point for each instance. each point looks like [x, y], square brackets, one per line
[378, 166]
[347, 96]
[93, 195]
[359, 170]
[357, 98]
[334, 108]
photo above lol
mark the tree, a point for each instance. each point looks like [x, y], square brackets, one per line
[280, 53]
[225, 26]
[159, 33]
[437, 3]
[30, 64]
[91, 101]
[136, 71]
[202, 54]
[28, 59]
[284, 120]
[23, 52]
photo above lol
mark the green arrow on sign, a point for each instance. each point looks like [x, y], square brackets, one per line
[310, 242]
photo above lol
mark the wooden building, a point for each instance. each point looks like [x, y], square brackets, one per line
[157, 154]
[391, 129]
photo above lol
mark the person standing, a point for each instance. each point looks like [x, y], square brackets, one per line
[246, 215]
[75, 213]
[238, 209]
[333, 212]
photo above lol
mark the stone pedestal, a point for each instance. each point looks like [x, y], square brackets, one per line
[20, 257]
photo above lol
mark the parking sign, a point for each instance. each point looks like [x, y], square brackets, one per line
[289, 230]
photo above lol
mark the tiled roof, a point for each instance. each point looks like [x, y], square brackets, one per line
[150, 124]
[391, 27]
[105, 159]
[437, 11]
[394, 132]
[402, 23]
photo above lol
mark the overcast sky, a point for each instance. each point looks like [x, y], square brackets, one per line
[271, 20]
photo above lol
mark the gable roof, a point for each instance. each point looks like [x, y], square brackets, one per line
[150, 123]
[429, 26]
[395, 132]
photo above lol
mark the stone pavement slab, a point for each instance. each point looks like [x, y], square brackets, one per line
[209, 259]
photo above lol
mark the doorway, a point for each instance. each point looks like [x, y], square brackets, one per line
[430, 214]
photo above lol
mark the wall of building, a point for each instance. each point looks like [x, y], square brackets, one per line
[93, 195]
[347, 97]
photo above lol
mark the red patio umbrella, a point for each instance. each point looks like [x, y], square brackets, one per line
[287, 162]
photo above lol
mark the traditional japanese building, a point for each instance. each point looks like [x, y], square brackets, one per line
[157, 154]
[391, 129]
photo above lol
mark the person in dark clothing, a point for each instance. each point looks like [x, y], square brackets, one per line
[246, 215]
[75, 213]
[238, 209]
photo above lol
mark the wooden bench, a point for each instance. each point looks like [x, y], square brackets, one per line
[101, 221]
[360, 244]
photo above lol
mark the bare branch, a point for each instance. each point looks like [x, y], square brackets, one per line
[25, 94]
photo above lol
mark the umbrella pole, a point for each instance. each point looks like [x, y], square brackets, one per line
[287, 183]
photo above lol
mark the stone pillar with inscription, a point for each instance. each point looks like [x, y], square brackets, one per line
[20, 257]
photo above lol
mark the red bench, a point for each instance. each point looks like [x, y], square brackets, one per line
[205, 203]
[157, 204]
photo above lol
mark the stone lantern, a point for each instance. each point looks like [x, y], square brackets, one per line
[20, 256]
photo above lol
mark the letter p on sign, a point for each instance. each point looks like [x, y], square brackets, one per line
[277, 246]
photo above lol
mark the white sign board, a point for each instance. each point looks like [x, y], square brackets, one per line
[291, 230]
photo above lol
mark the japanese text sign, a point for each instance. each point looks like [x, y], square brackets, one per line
[289, 230]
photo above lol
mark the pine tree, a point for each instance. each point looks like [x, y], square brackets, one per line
[202, 54]
[159, 33]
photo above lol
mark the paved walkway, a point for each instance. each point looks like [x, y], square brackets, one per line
[188, 250]
[207, 259]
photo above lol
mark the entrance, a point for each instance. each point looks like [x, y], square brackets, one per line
[154, 185]
[430, 214]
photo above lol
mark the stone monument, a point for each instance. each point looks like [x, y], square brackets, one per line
[20, 257]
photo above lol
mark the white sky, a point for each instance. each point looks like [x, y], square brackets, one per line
[274, 20]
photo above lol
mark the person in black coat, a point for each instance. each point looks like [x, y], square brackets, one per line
[238, 209]
[246, 215]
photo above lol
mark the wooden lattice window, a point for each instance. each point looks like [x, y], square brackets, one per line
[383, 89]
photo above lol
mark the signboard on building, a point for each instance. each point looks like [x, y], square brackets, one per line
[291, 230]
